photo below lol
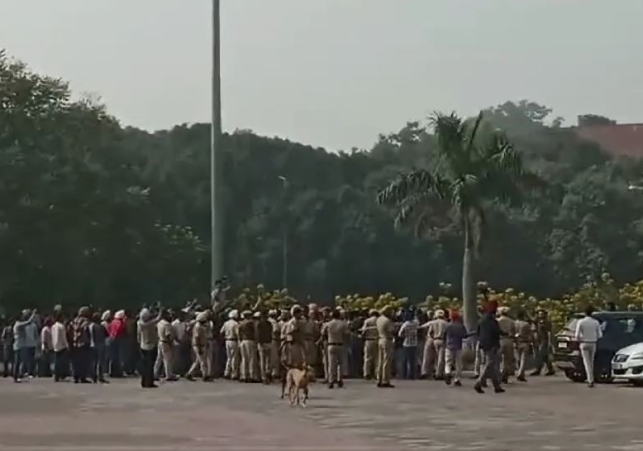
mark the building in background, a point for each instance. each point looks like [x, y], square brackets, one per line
[618, 139]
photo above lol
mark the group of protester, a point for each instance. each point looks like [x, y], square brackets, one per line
[258, 345]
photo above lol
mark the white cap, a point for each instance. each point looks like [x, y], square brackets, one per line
[234, 314]
[257, 315]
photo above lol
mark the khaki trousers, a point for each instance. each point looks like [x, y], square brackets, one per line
[232, 360]
[508, 358]
[429, 357]
[335, 363]
[453, 363]
[384, 361]
[265, 367]
[310, 348]
[201, 361]
[165, 358]
[522, 351]
[325, 361]
[438, 345]
[248, 360]
[371, 351]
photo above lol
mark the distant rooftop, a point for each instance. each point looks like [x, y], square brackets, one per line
[617, 139]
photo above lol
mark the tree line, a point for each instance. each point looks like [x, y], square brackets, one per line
[94, 212]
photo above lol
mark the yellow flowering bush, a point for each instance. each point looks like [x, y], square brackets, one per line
[597, 293]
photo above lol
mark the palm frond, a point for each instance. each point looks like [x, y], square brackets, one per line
[409, 207]
[408, 184]
[451, 135]
[473, 133]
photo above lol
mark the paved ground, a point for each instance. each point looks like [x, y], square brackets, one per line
[544, 414]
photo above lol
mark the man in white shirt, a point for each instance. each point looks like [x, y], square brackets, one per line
[60, 346]
[182, 347]
[588, 332]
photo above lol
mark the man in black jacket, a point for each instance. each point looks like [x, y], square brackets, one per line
[489, 333]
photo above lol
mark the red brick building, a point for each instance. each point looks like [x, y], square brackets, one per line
[617, 139]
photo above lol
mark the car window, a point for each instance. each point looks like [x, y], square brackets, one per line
[628, 329]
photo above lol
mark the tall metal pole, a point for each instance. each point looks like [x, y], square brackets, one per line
[217, 213]
[284, 275]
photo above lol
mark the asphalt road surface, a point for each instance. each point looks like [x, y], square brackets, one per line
[544, 414]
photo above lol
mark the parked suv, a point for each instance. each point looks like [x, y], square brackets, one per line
[620, 329]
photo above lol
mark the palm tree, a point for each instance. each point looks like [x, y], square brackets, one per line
[471, 172]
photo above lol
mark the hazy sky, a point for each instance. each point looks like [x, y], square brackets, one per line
[335, 73]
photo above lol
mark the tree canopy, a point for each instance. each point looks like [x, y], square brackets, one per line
[95, 212]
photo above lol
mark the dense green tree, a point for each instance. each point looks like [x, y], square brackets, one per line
[93, 212]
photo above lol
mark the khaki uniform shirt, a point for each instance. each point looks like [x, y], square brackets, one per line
[230, 330]
[524, 333]
[336, 331]
[369, 329]
[165, 332]
[437, 329]
[200, 335]
[508, 326]
[292, 331]
[384, 328]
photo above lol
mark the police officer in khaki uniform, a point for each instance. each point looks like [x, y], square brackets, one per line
[275, 343]
[248, 347]
[200, 342]
[433, 359]
[524, 341]
[343, 315]
[323, 341]
[336, 334]
[385, 329]
[311, 333]
[293, 355]
[507, 355]
[371, 337]
[230, 333]
[165, 357]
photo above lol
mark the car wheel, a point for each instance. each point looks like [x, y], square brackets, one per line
[636, 382]
[575, 376]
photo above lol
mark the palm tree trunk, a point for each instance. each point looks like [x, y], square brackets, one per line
[469, 298]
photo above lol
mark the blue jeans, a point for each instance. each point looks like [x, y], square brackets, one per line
[20, 362]
[410, 362]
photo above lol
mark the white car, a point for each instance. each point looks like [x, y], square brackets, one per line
[627, 364]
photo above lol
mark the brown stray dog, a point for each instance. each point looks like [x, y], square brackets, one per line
[297, 381]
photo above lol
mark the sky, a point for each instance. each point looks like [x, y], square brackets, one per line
[335, 73]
